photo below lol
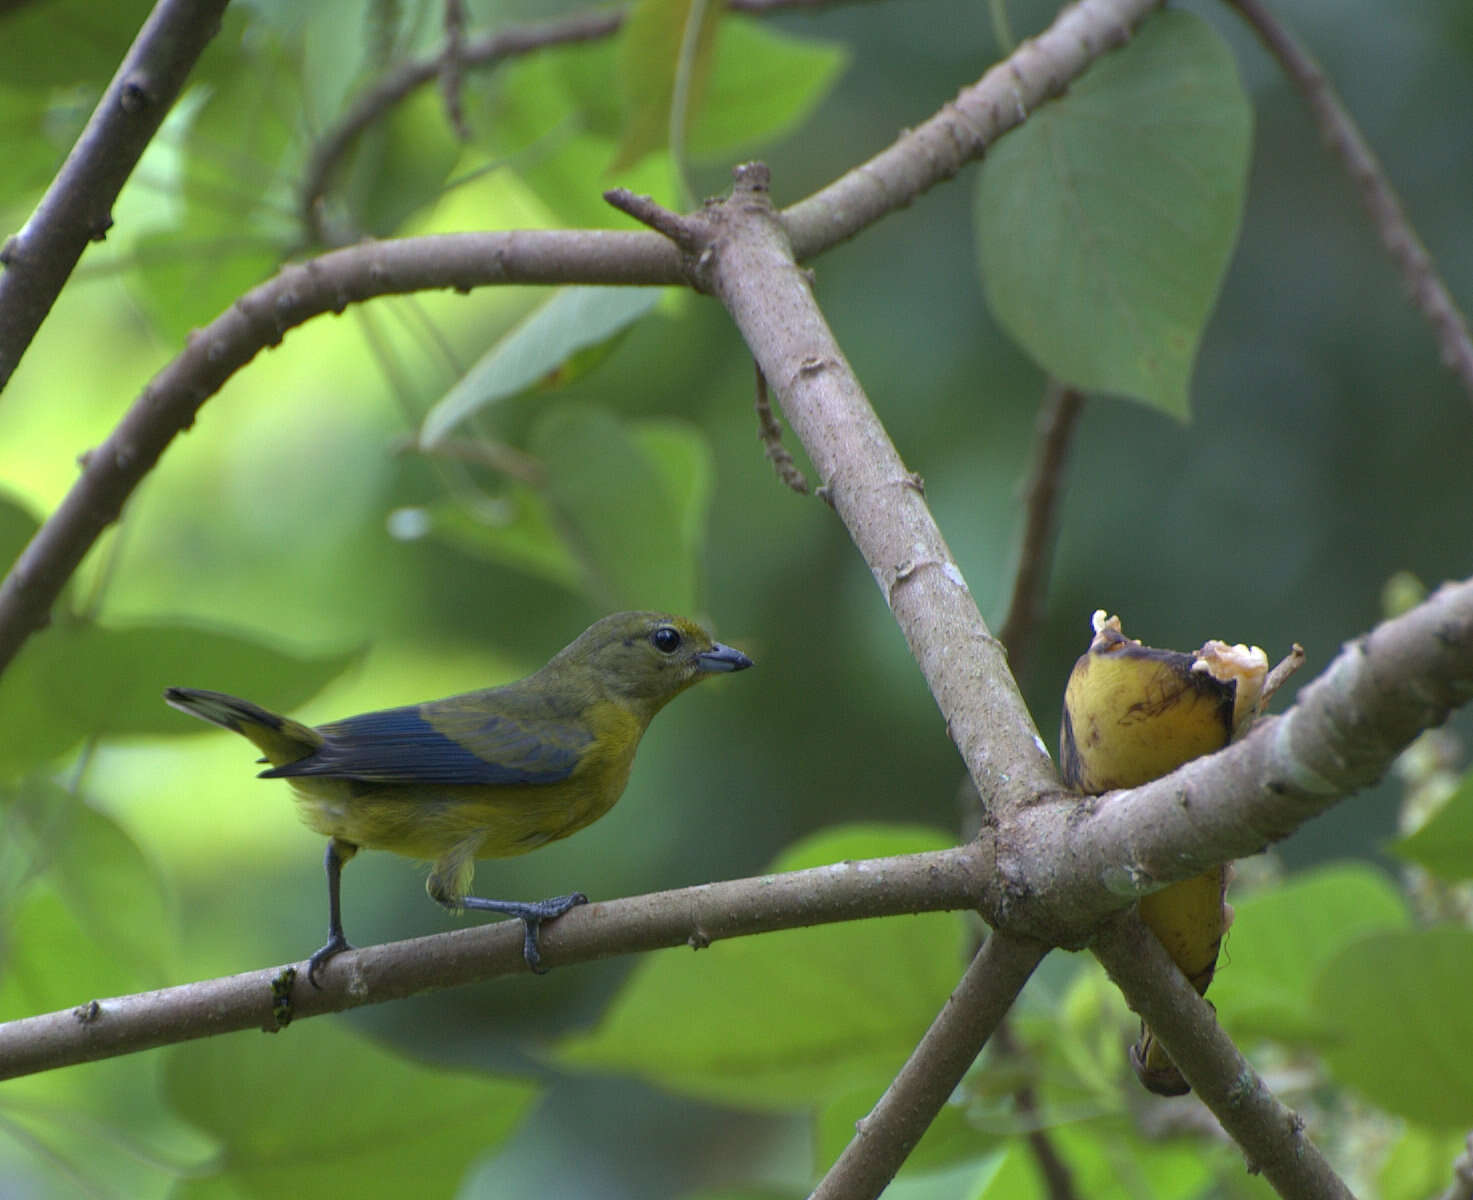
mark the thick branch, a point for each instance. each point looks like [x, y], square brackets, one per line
[1270, 1134]
[695, 916]
[77, 207]
[749, 267]
[1064, 858]
[884, 1139]
[1398, 235]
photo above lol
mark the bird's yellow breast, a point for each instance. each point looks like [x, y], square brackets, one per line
[430, 821]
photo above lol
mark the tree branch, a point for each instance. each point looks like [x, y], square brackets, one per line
[264, 315]
[749, 266]
[1270, 1134]
[1057, 420]
[1398, 235]
[883, 1140]
[1063, 857]
[77, 207]
[483, 52]
[693, 916]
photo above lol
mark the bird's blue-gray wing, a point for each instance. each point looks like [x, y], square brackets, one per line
[443, 744]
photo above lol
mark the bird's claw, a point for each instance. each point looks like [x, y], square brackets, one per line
[336, 944]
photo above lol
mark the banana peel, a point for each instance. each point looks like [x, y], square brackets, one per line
[1133, 713]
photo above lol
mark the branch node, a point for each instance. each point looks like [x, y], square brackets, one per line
[684, 232]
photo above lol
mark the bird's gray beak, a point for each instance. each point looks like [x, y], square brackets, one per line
[722, 658]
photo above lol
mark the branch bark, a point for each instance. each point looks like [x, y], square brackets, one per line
[884, 1139]
[1271, 1135]
[77, 207]
[1398, 235]
[694, 916]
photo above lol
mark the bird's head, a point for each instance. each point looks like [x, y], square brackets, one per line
[647, 657]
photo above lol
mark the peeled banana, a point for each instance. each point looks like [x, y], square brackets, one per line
[1132, 714]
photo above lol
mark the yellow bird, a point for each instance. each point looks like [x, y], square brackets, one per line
[486, 774]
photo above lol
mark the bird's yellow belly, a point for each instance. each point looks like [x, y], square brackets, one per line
[429, 821]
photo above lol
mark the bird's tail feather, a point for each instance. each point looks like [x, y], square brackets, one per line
[279, 738]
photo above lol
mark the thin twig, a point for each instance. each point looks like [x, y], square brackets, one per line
[1056, 424]
[770, 434]
[1271, 1135]
[478, 53]
[452, 61]
[1058, 1178]
[77, 207]
[1398, 235]
[884, 1139]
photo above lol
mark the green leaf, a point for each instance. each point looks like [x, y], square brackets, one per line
[515, 529]
[17, 527]
[110, 680]
[655, 54]
[319, 1112]
[68, 41]
[1396, 1004]
[1280, 939]
[765, 83]
[40, 127]
[1106, 222]
[854, 999]
[90, 863]
[534, 354]
[1444, 843]
[1419, 1164]
[400, 164]
[634, 516]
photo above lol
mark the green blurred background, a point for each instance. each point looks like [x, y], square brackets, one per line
[1327, 450]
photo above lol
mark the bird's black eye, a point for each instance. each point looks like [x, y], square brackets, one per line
[666, 639]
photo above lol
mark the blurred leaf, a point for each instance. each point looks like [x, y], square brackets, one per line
[1419, 1165]
[617, 505]
[681, 454]
[651, 44]
[516, 530]
[1397, 1006]
[554, 118]
[318, 1111]
[234, 195]
[855, 998]
[1444, 843]
[1283, 936]
[68, 41]
[39, 128]
[17, 528]
[765, 83]
[35, 732]
[186, 281]
[110, 680]
[535, 353]
[1106, 222]
[400, 164]
[112, 894]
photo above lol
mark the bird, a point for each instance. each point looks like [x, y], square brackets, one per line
[485, 774]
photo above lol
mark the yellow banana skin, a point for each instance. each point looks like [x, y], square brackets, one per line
[1132, 714]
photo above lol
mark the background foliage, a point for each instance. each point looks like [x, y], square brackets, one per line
[594, 449]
